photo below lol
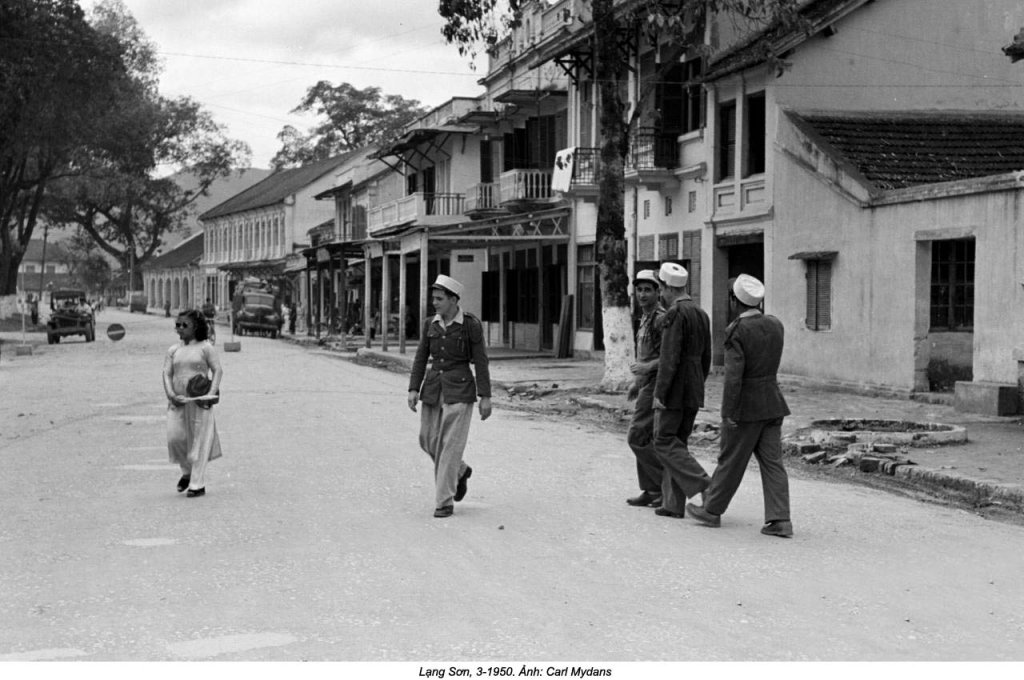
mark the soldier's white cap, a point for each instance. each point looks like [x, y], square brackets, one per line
[748, 290]
[449, 284]
[646, 275]
[674, 275]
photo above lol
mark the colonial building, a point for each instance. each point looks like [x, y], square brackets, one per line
[865, 182]
[174, 279]
[252, 233]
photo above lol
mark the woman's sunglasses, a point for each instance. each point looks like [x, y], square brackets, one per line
[181, 325]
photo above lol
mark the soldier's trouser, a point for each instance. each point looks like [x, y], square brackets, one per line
[763, 438]
[444, 430]
[641, 439]
[683, 476]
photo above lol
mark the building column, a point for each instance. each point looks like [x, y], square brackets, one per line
[402, 260]
[424, 283]
[367, 299]
[385, 300]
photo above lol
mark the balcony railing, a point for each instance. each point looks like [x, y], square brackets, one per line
[586, 164]
[482, 196]
[525, 185]
[650, 149]
[421, 208]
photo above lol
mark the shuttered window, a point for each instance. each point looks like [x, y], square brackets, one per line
[819, 295]
[952, 285]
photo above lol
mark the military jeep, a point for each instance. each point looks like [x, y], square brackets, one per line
[70, 314]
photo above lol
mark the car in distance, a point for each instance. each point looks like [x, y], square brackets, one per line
[70, 314]
[137, 303]
[257, 312]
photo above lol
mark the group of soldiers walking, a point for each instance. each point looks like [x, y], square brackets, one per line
[673, 361]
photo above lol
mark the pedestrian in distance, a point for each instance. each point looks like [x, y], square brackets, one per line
[192, 440]
[683, 365]
[210, 313]
[640, 437]
[454, 339]
[753, 409]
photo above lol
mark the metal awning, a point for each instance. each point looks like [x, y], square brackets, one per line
[815, 255]
[528, 96]
[333, 191]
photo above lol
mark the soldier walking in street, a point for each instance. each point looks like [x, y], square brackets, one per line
[454, 339]
[683, 366]
[641, 430]
[753, 409]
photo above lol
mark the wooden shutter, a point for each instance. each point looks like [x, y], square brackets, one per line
[819, 295]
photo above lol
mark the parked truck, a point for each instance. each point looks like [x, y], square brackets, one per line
[256, 309]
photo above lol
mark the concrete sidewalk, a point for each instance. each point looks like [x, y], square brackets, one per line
[986, 470]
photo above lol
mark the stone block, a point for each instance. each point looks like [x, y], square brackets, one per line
[870, 464]
[989, 398]
[883, 448]
[808, 447]
[233, 346]
[814, 458]
[23, 350]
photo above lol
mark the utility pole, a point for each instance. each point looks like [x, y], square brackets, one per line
[42, 267]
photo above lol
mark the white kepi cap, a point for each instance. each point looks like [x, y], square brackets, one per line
[646, 275]
[673, 275]
[449, 284]
[748, 290]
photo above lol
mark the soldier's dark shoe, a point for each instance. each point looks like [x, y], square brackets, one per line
[460, 488]
[662, 512]
[444, 511]
[782, 528]
[703, 516]
[646, 498]
[192, 493]
[183, 482]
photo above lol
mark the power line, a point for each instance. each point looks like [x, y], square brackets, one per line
[317, 65]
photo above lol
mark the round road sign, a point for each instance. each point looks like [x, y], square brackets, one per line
[115, 331]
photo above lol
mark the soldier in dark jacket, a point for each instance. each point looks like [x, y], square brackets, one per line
[454, 339]
[683, 366]
[752, 412]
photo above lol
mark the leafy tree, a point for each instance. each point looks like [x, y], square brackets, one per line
[473, 25]
[86, 264]
[117, 199]
[58, 78]
[350, 119]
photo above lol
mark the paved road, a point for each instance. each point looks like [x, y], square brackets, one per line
[316, 539]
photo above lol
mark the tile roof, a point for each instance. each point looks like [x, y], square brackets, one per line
[898, 150]
[34, 251]
[275, 188]
[185, 253]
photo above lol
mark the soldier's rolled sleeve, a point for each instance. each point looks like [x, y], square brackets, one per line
[668, 360]
[478, 355]
[419, 362]
[732, 384]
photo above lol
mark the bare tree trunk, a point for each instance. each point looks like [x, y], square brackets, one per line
[611, 243]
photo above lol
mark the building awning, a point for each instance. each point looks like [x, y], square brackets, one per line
[528, 96]
[815, 255]
[333, 191]
[259, 268]
[414, 138]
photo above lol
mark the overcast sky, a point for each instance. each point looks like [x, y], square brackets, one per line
[249, 62]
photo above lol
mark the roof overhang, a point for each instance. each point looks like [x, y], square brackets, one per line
[334, 191]
[521, 97]
[815, 255]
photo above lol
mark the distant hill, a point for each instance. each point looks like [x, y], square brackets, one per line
[219, 191]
